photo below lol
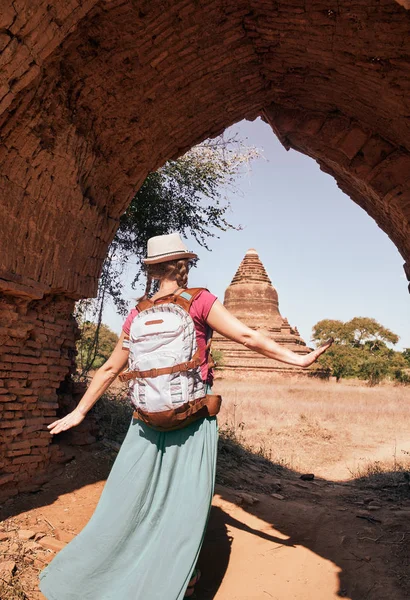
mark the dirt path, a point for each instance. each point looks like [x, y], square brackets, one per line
[309, 545]
[263, 565]
[306, 540]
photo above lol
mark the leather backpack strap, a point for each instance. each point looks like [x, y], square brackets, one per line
[186, 297]
[182, 297]
[148, 303]
[150, 373]
[208, 352]
[144, 305]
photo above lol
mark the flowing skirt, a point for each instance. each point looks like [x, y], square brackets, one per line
[144, 537]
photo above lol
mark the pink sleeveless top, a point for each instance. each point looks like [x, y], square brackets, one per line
[199, 312]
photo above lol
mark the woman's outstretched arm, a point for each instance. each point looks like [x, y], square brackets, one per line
[224, 322]
[101, 381]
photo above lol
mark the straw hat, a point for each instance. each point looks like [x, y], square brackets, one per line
[166, 247]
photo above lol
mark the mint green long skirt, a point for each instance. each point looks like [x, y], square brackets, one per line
[144, 537]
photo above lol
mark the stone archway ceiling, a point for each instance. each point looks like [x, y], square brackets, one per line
[96, 93]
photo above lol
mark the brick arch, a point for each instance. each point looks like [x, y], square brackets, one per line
[96, 93]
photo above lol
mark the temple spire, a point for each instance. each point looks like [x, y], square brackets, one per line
[251, 269]
[252, 298]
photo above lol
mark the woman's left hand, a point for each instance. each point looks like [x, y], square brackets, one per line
[71, 420]
[312, 357]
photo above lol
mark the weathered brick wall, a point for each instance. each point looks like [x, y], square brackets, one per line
[96, 93]
[37, 343]
[29, 33]
[120, 95]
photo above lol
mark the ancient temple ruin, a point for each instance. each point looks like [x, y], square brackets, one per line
[252, 298]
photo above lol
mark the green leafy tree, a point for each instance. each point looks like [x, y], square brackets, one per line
[356, 332]
[327, 328]
[396, 359]
[186, 195]
[362, 330]
[341, 360]
[360, 349]
[402, 376]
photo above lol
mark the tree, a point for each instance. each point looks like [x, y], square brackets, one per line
[340, 359]
[364, 330]
[327, 328]
[374, 369]
[359, 331]
[185, 195]
[402, 376]
[360, 349]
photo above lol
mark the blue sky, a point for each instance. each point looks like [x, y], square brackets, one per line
[325, 256]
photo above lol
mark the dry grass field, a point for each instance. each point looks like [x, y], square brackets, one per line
[335, 430]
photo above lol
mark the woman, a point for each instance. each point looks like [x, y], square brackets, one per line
[144, 537]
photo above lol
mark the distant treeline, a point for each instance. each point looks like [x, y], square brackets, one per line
[362, 349]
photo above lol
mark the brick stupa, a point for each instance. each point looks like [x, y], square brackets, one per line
[252, 298]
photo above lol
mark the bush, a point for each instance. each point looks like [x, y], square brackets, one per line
[402, 376]
[374, 369]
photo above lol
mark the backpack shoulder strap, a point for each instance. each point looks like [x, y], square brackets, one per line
[186, 297]
[144, 305]
[183, 298]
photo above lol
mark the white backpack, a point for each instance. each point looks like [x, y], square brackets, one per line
[164, 362]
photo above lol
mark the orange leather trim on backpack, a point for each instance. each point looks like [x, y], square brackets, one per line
[185, 366]
[144, 305]
[184, 302]
[177, 418]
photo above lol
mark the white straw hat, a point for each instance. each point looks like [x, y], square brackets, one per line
[166, 247]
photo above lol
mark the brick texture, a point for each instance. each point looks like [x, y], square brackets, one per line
[94, 94]
[29, 394]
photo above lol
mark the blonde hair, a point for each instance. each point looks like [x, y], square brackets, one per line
[171, 269]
